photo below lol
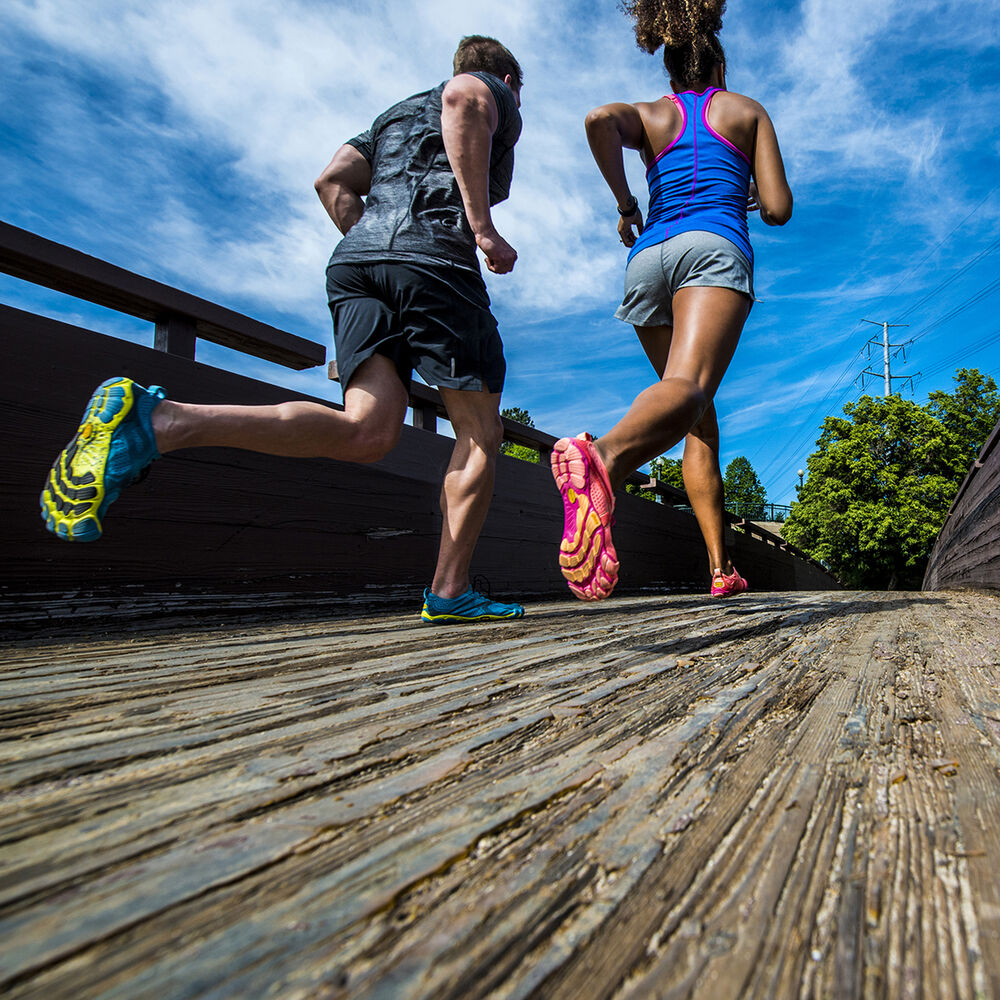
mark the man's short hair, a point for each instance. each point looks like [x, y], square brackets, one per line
[479, 53]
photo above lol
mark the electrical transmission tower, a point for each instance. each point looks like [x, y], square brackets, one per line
[889, 351]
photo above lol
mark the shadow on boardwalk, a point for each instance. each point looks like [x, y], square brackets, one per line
[779, 795]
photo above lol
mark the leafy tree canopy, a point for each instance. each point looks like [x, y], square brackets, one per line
[969, 413]
[745, 494]
[883, 477]
[509, 448]
[666, 470]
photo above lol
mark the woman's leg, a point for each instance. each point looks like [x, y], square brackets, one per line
[703, 485]
[706, 330]
[702, 475]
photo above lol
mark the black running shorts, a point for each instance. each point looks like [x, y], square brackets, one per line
[435, 319]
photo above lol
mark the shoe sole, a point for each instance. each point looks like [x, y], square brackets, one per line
[745, 589]
[75, 492]
[587, 557]
[446, 619]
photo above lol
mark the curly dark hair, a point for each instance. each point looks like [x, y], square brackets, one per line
[688, 30]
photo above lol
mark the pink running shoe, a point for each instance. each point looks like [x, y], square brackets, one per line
[724, 586]
[587, 557]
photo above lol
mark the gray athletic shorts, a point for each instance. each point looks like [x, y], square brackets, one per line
[696, 258]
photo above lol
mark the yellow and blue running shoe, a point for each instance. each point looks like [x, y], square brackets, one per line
[469, 607]
[112, 448]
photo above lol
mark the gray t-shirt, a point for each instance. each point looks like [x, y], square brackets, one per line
[414, 210]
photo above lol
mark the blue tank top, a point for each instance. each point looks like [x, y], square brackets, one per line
[700, 181]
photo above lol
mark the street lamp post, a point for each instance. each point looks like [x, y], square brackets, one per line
[801, 474]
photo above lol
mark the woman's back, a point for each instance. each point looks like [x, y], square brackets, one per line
[698, 177]
[733, 116]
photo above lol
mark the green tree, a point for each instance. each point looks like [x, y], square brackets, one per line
[509, 448]
[876, 495]
[745, 495]
[883, 478]
[969, 414]
[666, 470]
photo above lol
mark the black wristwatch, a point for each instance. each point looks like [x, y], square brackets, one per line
[631, 208]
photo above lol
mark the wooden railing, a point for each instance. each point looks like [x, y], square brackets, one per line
[181, 319]
[966, 553]
[428, 406]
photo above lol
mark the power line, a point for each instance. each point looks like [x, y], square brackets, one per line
[988, 289]
[963, 352]
[958, 274]
[848, 368]
[937, 246]
[776, 467]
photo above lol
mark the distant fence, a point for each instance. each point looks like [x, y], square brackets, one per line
[967, 551]
[776, 512]
[222, 520]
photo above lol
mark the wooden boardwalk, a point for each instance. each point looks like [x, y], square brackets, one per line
[782, 795]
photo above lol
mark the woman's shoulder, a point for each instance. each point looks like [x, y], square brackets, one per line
[663, 109]
[737, 102]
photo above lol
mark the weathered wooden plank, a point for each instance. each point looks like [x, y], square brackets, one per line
[657, 796]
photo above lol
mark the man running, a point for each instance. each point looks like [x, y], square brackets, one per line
[405, 292]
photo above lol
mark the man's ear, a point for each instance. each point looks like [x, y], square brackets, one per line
[509, 80]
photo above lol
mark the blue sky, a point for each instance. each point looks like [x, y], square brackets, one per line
[181, 139]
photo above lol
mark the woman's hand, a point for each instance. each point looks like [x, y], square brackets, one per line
[753, 199]
[625, 225]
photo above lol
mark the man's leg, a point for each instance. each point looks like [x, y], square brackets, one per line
[465, 500]
[365, 430]
[126, 427]
[468, 484]
[368, 426]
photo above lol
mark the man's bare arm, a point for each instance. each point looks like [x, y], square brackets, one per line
[345, 180]
[469, 117]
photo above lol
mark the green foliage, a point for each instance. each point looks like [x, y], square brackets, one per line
[883, 478]
[969, 414]
[666, 470]
[509, 448]
[745, 495]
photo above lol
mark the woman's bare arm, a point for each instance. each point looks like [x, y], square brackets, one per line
[610, 129]
[773, 192]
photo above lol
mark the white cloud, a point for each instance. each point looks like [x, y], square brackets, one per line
[818, 86]
[259, 93]
[280, 86]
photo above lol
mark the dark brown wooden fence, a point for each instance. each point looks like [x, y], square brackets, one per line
[231, 522]
[967, 551]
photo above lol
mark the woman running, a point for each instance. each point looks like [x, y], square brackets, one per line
[710, 155]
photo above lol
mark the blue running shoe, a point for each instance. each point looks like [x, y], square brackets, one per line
[470, 607]
[113, 447]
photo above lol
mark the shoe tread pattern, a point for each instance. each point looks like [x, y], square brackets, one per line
[587, 558]
[76, 489]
